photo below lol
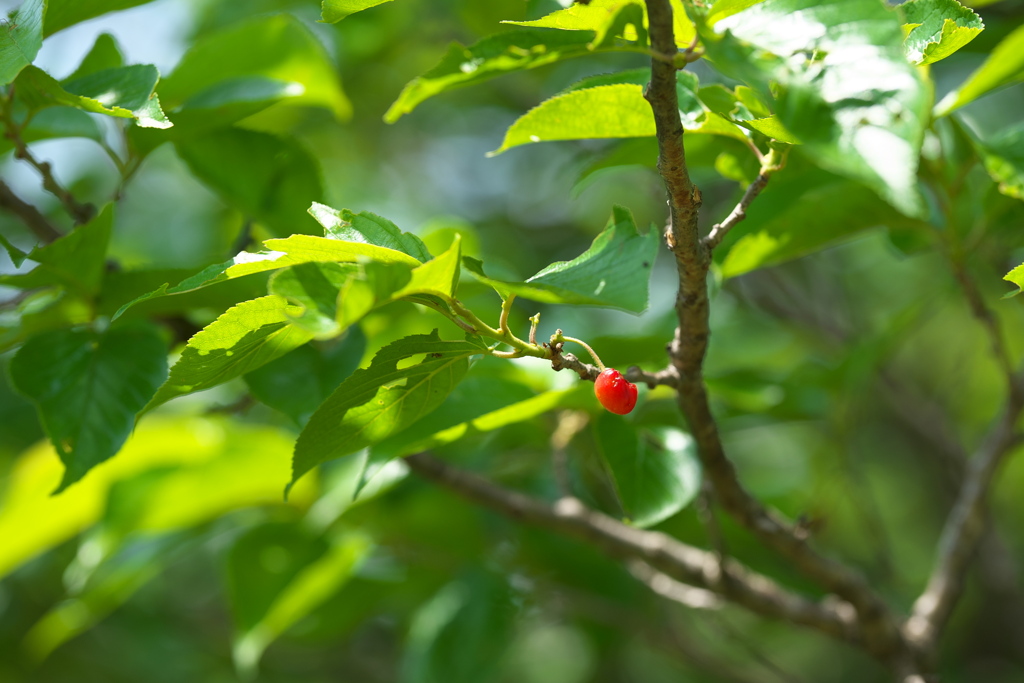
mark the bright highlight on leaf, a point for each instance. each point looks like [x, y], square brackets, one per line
[333, 11]
[937, 28]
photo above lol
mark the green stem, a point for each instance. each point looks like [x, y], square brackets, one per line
[558, 336]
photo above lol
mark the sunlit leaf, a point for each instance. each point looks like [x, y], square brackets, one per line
[21, 36]
[88, 388]
[61, 14]
[383, 399]
[1004, 65]
[868, 129]
[314, 287]
[1016, 276]
[656, 472]
[368, 228]
[125, 92]
[288, 52]
[600, 16]
[333, 11]
[615, 271]
[200, 456]
[937, 29]
[239, 341]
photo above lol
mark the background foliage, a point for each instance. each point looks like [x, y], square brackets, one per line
[847, 372]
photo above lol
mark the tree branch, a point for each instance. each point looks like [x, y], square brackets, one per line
[720, 230]
[964, 528]
[662, 553]
[881, 635]
[28, 214]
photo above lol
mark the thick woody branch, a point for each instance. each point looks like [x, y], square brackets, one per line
[660, 552]
[689, 348]
[28, 214]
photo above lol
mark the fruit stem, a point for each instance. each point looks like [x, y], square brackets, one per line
[534, 321]
[506, 306]
[558, 336]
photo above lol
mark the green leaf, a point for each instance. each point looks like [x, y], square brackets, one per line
[56, 122]
[460, 635]
[315, 287]
[280, 253]
[88, 388]
[801, 216]
[868, 129]
[64, 13]
[614, 272]
[299, 381]
[298, 584]
[287, 52]
[200, 459]
[600, 17]
[105, 54]
[266, 177]
[231, 101]
[383, 399]
[1016, 276]
[1003, 155]
[368, 228]
[16, 255]
[239, 341]
[937, 29]
[76, 261]
[1004, 65]
[333, 11]
[125, 92]
[493, 56]
[656, 472]
[21, 36]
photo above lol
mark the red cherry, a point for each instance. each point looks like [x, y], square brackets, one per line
[614, 392]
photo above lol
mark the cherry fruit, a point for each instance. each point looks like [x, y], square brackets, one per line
[614, 392]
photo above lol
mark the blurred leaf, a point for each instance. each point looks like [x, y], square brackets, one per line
[299, 381]
[804, 219]
[266, 177]
[88, 388]
[656, 473]
[228, 102]
[202, 458]
[1003, 155]
[314, 287]
[125, 92]
[383, 399]
[867, 129]
[493, 56]
[21, 36]
[1004, 65]
[61, 14]
[287, 52]
[105, 54]
[937, 29]
[333, 11]
[239, 341]
[1016, 276]
[368, 228]
[600, 16]
[116, 580]
[459, 636]
[16, 255]
[277, 577]
[615, 271]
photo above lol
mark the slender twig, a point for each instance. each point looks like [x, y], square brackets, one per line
[962, 532]
[81, 213]
[739, 212]
[682, 562]
[667, 587]
[667, 377]
[689, 347]
[29, 215]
